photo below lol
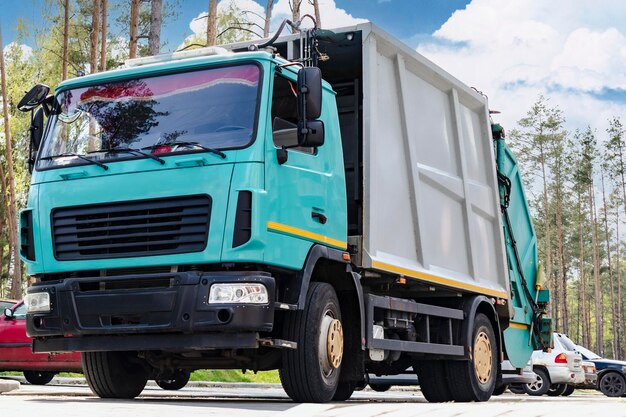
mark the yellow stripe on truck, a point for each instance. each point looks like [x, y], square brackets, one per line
[437, 280]
[519, 326]
[294, 231]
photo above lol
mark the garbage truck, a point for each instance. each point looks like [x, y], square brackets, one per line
[330, 204]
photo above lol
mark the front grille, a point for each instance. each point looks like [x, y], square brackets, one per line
[131, 228]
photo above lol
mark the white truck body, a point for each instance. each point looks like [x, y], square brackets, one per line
[431, 205]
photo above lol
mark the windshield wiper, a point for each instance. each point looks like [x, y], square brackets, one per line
[84, 158]
[135, 151]
[196, 144]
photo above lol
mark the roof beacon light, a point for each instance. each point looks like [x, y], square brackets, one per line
[190, 53]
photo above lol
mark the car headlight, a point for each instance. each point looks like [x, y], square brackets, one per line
[38, 302]
[248, 293]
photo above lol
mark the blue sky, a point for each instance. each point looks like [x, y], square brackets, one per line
[403, 18]
[574, 52]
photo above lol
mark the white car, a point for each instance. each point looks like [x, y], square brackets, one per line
[558, 366]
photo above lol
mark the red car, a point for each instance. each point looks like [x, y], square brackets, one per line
[16, 350]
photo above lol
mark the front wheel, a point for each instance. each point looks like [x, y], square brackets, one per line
[38, 377]
[310, 373]
[114, 374]
[612, 384]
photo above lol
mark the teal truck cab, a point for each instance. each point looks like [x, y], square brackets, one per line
[228, 209]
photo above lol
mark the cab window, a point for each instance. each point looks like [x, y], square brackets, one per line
[285, 115]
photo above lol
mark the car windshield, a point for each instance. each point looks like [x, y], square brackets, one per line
[569, 345]
[210, 108]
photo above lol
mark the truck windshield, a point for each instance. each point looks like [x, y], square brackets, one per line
[185, 112]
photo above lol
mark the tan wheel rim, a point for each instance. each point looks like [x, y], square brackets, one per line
[483, 357]
[334, 343]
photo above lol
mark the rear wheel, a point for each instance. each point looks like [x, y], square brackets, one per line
[344, 391]
[177, 381]
[556, 390]
[499, 390]
[517, 389]
[612, 384]
[310, 373]
[114, 374]
[433, 380]
[568, 391]
[38, 377]
[475, 379]
[540, 385]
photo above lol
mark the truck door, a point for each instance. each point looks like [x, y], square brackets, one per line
[307, 192]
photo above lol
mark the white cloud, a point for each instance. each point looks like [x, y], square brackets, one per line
[255, 14]
[574, 52]
[331, 15]
[26, 51]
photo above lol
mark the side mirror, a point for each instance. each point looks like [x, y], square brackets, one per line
[36, 133]
[309, 93]
[8, 314]
[33, 98]
[311, 134]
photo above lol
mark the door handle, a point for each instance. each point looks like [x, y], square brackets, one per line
[319, 217]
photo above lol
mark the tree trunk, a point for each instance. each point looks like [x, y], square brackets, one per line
[15, 264]
[95, 33]
[103, 38]
[546, 219]
[561, 279]
[211, 24]
[134, 22]
[295, 10]
[154, 37]
[618, 268]
[582, 295]
[318, 18]
[66, 37]
[268, 18]
[596, 274]
[611, 277]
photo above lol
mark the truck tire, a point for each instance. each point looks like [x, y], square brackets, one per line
[38, 377]
[344, 391]
[177, 381]
[540, 386]
[114, 374]
[612, 384]
[475, 379]
[499, 390]
[310, 373]
[433, 381]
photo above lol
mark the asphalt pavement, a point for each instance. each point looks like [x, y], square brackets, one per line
[69, 397]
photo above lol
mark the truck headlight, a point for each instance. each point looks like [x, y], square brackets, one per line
[38, 302]
[238, 294]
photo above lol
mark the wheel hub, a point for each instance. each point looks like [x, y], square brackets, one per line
[334, 343]
[330, 344]
[483, 357]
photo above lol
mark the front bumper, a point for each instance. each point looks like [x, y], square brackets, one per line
[139, 312]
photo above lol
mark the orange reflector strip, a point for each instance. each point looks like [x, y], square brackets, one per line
[346, 256]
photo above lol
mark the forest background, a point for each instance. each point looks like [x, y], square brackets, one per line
[575, 178]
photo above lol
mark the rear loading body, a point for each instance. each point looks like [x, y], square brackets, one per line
[231, 225]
